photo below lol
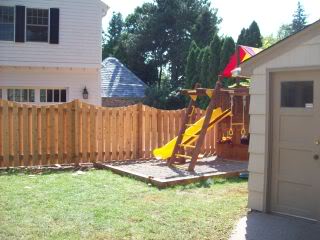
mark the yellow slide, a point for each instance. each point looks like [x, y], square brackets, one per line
[165, 152]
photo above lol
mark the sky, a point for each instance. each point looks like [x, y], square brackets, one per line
[269, 15]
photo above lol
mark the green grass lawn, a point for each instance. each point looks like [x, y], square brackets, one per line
[101, 205]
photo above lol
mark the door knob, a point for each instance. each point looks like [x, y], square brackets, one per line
[316, 157]
[316, 142]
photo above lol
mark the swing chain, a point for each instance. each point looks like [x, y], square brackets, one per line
[230, 132]
[244, 103]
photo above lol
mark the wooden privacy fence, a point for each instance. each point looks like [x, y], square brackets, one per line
[77, 132]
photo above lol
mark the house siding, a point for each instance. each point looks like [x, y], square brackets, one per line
[306, 55]
[79, 43]
[74, 80]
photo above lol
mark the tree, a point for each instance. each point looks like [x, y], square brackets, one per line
[299, 19]
[242, 39]
[215, 51]
[155, 41]
[227, 50]
[205, 65]
[250, 36]
[191, 66]
[254, 37]
[205, 28]
[113, 35]
[284, 31]
[199, 66]
[164, 30]
[268, 41]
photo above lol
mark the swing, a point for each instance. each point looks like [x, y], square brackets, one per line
[245, 138]
[227, 139]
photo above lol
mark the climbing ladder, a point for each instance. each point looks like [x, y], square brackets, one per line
[190, 149]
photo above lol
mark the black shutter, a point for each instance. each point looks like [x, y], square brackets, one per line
[20, 23]
[54, 25]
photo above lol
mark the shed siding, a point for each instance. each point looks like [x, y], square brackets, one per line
[257, 124]
[306, 55]
[72, 79]
[80, 37]
[257, 104]
[255, 200]
[256, 163]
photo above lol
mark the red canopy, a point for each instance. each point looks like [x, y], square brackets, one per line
[244, 54]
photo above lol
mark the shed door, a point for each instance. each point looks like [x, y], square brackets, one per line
[295, 175]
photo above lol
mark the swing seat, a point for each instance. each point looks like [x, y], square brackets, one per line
[225, 140]
[245, 139]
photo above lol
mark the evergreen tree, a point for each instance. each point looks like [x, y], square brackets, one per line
[215, 51]
[250, 36]
[227, 50]
[254, 38]
[191, 65]
[113, 35]
[242, 39]
[299, 19]
[285, 30]
[197, 76]
[205, 65]
[205, 28]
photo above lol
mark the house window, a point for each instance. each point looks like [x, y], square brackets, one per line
[37, 25]
[297, 94]
[6, 23]
[21, 95]
[53, 95]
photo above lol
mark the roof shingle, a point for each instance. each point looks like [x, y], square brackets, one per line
[119, 81]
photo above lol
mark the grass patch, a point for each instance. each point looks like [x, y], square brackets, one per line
[101, 205]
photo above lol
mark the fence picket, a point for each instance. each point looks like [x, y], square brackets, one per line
[120, 127]
[61, 134]
[93, 142]
[25, 129]
[43, 136]
[51, 130]
[85, 133]
[99, 135]
[108, 135]
[136, 128]
[113, 136]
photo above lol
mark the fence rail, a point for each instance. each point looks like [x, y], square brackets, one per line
[76, 132]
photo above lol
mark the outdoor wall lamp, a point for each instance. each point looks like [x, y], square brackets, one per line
[85, 93]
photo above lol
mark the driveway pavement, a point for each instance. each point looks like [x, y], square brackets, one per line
[260, 226]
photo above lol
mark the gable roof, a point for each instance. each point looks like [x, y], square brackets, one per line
[105, 8]
[280, 48]
[119, 81]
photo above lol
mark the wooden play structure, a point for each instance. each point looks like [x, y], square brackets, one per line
[187, 145]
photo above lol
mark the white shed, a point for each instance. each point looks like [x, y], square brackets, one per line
[284, 149]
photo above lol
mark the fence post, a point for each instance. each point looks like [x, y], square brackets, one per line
[5, 133]
[76, 137]
[140, 130]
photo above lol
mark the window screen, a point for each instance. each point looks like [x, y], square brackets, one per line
[6, 23]
[53, 95]
[37, 25]
[21, 95]
[297, 94]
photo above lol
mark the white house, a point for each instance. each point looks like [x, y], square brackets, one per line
[284, 148]
[50, 50]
